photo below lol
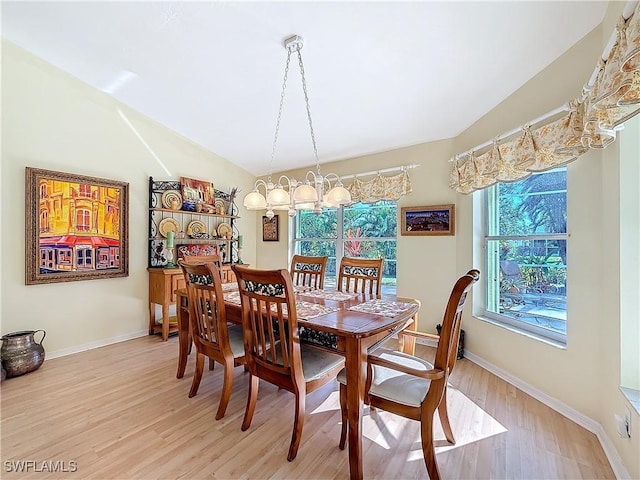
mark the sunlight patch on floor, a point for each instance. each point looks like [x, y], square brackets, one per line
[470, 424]
[331, 403]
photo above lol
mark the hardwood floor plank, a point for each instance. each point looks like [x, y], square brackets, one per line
[119, 412]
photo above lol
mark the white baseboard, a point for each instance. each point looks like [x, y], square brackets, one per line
[91, 345]
[594, 427]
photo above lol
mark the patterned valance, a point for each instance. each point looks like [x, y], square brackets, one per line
[590, 122]
[380, 188]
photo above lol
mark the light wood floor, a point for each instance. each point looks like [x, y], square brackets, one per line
[120, 413]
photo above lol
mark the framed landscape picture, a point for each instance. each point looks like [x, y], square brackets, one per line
[431, 220]
[76, 227]
[270, 229]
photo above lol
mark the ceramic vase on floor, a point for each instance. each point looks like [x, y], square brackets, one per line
[21, 353]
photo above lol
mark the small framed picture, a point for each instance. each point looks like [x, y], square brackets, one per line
[270, 228]
[431, 220]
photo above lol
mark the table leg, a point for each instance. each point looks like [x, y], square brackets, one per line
[152, 318]
[356, 362]
[184, 339]
[165, 322]
[408, 344]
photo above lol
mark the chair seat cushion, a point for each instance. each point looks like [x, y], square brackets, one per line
[235, 340]
[397, 386]
[316, 362]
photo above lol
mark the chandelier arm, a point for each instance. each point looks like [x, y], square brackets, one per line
[275, 137]
[306, 101]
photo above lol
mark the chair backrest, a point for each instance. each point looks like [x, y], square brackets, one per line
[191, 259]
[510, 270]
[207, 312]
[270, 326]
[308, 271]
[360, 275]
[447, 350]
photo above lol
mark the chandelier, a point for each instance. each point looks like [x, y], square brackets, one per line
[289, 193]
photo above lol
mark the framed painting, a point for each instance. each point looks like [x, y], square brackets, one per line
[196, 192]
[431, 220]
[76, 227]
[270, 229]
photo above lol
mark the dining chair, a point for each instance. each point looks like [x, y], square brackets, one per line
[360, 275]
[194, 259]
[212, 336]
[412, 387]
[272, 345]
[308, 271]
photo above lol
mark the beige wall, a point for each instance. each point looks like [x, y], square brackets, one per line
[51, 120]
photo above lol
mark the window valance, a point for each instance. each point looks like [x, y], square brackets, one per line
[380, 188]
[589, 121]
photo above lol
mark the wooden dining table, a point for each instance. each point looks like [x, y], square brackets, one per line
[357, 324]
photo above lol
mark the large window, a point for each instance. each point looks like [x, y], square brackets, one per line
[359, 230]
[525, 241]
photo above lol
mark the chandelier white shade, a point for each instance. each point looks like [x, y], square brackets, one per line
[290, 194]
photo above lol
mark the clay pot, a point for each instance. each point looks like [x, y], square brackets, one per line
[21, 353]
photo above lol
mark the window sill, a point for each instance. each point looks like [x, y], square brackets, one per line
[633, 397]
[524, 333]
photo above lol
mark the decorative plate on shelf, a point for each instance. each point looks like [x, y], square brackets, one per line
[224, 230]
[171, 199]
[220, 205]
[167, 225]
[196, 227]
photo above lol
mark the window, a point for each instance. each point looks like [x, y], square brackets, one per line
[84, 190]
[44, 221]
[630, 262]
[525, 244]
[359, 230]
[84, 259]
[82, 220]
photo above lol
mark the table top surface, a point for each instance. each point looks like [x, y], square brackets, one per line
[344, 320]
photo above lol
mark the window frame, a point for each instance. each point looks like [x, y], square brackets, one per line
[495, 317]
[341, 238]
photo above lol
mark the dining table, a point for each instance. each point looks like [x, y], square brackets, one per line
[347, 323]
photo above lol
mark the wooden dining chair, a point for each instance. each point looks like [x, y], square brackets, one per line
[308, 271]
[192, 260]
[410, 386]
[272, 344]
[360, 275]
[212, 336]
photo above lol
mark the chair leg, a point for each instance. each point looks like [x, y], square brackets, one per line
[197, 375]
[212, 362]
[225, 395]
[343, 411]
[444, 420]
[251, 402]
[298, 423]
[428, 449]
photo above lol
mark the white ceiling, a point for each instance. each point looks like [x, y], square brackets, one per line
[380, 75]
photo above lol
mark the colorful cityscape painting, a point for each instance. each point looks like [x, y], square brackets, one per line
[76, 227]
